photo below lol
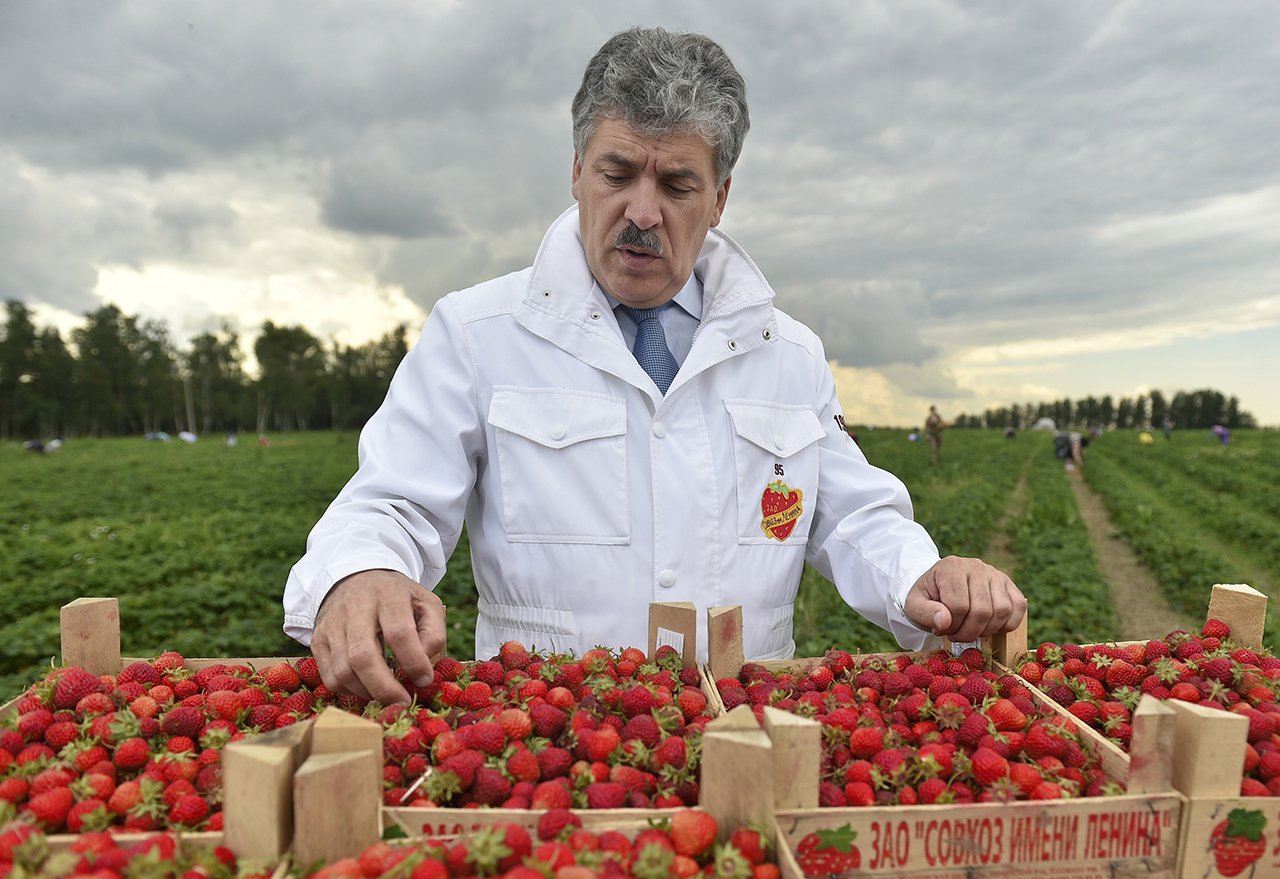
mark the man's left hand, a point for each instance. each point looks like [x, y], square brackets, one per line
[965, 599]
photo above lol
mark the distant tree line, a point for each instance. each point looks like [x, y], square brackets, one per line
[119, 375]
[1187, 409]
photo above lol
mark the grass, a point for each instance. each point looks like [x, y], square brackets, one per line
[197, 540]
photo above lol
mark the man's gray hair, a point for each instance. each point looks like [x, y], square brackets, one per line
[658, 83]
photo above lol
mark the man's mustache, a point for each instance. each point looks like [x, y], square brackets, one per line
[640, 239]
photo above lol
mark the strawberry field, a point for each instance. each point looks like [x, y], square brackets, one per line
[196, 540]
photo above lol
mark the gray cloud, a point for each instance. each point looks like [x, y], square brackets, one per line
[920, 175]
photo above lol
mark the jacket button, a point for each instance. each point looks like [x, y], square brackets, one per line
[658, 430]
[777, 442]
[558, 432]
[666, 578]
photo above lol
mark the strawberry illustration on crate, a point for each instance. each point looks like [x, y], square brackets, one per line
[829, 852]
[1237, 843]
[781, 508]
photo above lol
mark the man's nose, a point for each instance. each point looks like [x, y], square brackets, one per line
[644, 207]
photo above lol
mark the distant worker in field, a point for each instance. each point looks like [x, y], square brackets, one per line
[1068, 447]
[1223, 435]
[629, 419]
[933, 427]
[1166, 427]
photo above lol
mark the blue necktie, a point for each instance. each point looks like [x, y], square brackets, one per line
[651, 345]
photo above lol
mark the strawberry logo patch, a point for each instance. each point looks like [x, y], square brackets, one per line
[780, 507]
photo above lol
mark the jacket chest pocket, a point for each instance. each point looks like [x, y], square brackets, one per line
[562, 465]
[775, 456]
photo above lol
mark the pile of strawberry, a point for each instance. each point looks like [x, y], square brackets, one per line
[1101, 684]
[139, 750]
[907, 729]
[683, 846]
[24, 851]
[527, 730]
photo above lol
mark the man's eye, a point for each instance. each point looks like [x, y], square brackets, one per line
[678, 190]
[615, 178]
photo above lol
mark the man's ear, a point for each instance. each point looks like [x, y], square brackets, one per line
[722, 196]
[577, 175]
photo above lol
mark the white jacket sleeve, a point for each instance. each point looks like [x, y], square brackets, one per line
[863, 537]
[419, 453]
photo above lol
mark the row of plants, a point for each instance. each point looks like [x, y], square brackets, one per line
[1168, 539]
[1237, 512]
[1057, 566]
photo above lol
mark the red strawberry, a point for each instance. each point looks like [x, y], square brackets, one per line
[73, 685]
[692, 832]
[551, 795]
[606, 795]
[1238, 841]
[182, 720]
[51, 807]
[552, 823]
[988, 766]
[829, 852]
[188, 810]
[1005, 716]
[491, 787]
[672, 752]
[1215, 629]
[281, 677]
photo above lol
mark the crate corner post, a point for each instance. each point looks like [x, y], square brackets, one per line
[1242, 608]
[797, 758]
[724, 641]
[1151, 749]
[323, 833]
[737, 772]
[675, 624]
[90, 634]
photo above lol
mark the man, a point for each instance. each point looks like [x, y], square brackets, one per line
[1068, 447]
[933, 426]
[590, 484]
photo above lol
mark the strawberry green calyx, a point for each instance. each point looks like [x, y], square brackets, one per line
[841, 839]
[730, 862]
[653, 862]
[1248, 823]
[780, 487]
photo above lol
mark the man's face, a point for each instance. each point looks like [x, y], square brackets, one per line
[663, 187]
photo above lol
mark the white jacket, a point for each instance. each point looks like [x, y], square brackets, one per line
[587, 494]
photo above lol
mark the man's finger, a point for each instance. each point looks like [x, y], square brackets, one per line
[1019, 602]
[431, 632]
[1001, 608]
[953, 593]
[364, 652]
[977, 600]
[400, 632]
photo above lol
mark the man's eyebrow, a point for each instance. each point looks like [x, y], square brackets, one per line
[679, 172]
[619, 159]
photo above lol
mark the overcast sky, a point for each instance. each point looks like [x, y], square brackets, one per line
[972, 203]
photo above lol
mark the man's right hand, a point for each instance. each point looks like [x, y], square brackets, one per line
[360, 614]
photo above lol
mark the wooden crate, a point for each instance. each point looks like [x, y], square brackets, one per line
[90, 635]
[1133, 834]
[1208, 748]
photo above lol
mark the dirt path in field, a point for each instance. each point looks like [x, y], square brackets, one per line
[1139, 603]
[999, 552]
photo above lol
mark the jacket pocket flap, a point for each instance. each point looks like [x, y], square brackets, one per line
[778, 428]
[556, 418]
